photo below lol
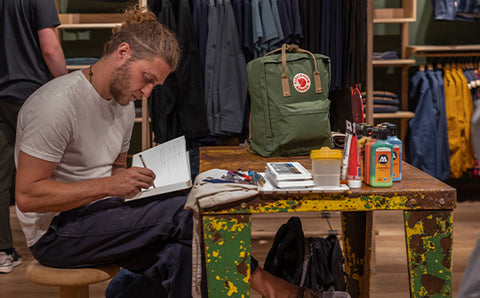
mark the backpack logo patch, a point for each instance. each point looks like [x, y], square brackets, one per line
[301, 82]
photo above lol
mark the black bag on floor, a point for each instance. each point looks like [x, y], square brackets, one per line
[314, 263]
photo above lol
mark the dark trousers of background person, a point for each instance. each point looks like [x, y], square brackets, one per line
[8, 124]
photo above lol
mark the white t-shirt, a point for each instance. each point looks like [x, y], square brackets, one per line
[66, 121]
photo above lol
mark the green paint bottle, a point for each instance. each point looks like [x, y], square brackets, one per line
[371, 139]
[381, 161]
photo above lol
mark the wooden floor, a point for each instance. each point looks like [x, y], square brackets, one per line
[390, 272]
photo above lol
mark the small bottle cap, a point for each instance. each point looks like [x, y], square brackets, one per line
[382, 133]
[392, 129]
[375, 132]
[355, 183]
[368, 130]
[326, 153]
[359, 130]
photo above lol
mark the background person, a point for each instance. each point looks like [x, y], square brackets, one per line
[30, 56]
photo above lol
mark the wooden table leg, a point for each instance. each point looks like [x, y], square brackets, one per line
[357, 251]
[227, 241]
[429, 251]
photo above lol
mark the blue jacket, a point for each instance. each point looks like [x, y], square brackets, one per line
[422, 127]
[441, 141]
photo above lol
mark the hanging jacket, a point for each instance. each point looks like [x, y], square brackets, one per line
[442, 153]
[177, 107]
[462, 120]
[225, 71]
[454, 128]
[421, 142]
[469, 157]
[200, 14]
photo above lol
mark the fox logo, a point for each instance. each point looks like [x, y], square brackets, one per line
[301, 82]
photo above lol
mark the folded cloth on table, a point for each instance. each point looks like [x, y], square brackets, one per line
[204, 195]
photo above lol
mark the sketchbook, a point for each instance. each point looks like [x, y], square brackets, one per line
[268, 188]
[289, 183]
[281, 171]
[171, 164]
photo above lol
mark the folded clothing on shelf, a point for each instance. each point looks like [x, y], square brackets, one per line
[384, 109]
[387, 55]
[383, 101]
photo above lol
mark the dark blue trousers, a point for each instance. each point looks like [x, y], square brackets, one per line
[148, 236]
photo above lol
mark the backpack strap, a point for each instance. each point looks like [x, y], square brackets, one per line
[294, 49]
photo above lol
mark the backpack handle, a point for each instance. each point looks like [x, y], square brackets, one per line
[294, 48]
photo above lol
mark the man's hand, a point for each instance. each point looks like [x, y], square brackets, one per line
[131, 181]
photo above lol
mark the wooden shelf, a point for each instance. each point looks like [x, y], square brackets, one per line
[443, 51]
[398, 115]
[76, 67]
[89, 26]
[405, 14]
[381, 20]
[89, 20]
[140, 119]
[393, 62]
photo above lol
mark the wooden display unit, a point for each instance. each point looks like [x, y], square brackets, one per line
[402, 16]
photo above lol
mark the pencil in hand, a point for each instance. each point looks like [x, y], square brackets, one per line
[145, 166]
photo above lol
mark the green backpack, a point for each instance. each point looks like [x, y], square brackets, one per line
[290, 109]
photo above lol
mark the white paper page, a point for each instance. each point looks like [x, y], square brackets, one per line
[167, 161]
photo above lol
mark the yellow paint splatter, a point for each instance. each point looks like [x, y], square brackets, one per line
[321, 202]
[231, 288]
[215, 253]
[246, 279]
[217, 277]
[416, 230]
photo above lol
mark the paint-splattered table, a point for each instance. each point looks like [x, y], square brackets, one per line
[427, 203]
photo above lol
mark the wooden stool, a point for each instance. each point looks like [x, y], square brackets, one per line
[73, 283]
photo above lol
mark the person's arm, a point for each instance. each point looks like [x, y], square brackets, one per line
[120, 164]
[35, 191]
[52, 51]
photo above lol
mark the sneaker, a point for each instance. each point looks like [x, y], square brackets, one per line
[8, 259]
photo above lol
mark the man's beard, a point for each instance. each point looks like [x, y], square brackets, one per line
[120, 84]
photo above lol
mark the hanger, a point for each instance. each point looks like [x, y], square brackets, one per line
[421, 67]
